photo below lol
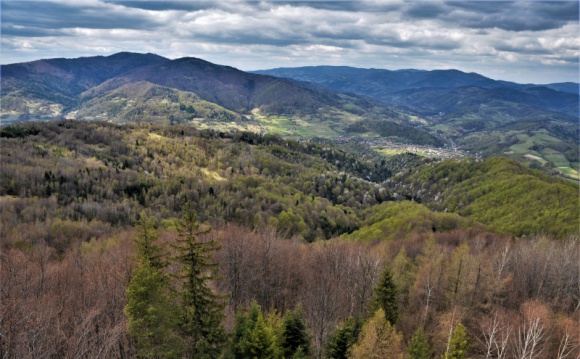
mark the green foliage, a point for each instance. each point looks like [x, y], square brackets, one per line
[253, 337]
[419, 347]
[201, 309]
[385, 297]
[340, 342]
[458, 344]
[494, 192]
[391, 220]
[295, 339]
[145, 247]
[262, 342]
[151, 310]
[97, 172]
[18, 131]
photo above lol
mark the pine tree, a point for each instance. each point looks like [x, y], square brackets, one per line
[385, 297]
[458, 344]
[378, 339]
[152, 314]
[343, 339]
[201, 309]
[419, 347]
[295, 337]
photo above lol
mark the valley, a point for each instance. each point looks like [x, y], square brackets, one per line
[535, 124]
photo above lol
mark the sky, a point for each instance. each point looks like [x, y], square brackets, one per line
[522, 41]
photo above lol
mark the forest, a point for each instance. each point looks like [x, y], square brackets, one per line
[144, 241]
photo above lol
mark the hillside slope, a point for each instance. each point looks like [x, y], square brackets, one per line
[498, 192]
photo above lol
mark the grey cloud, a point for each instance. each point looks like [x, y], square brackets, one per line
[347, 6]
[49, 15]
[425, 44]
[530, 50]
[11, 30]
[425, 10]
[512, 16]
[570, 59]
[562, 10]
[156, 5]
[251, 39]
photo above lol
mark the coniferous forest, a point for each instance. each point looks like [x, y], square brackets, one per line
[149, 241]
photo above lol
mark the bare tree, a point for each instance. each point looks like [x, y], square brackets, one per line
[495, 337]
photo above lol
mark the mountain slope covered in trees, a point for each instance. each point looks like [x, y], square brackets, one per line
[313, 251]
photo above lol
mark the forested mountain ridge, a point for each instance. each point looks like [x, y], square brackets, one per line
[92, 171]
[381, 83]
[107, 88]
[62, 80]
[94, 217]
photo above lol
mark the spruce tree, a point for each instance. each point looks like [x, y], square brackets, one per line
[458, 344]
[262, 343]
[244, 324]
[295, 337]
[385, 297]
[419, 347]
[152, 314]
[253, 337]
[343, 338]
[201, 309]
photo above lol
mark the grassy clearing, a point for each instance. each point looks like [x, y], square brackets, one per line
[557, 158]
[389, 151]
[298, 128]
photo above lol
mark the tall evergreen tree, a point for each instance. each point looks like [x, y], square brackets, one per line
[343, 338]
[458, 344]
[201, 309]
[152, 314]
[385, 297]
[295, 337]
[419, 347]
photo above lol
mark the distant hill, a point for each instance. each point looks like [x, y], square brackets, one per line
[223, 85]
[536, 124]
[570, 87]
[129, 87]
[55, 79]
[396, 86]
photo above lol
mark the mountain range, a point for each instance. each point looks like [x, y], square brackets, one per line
[537, 124]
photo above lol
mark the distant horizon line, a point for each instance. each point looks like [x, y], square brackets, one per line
[285, 67]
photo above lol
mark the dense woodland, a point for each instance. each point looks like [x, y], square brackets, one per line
[167, 242]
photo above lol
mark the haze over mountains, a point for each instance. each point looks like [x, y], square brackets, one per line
[436, 108]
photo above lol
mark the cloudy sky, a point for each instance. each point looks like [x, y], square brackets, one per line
[522, 41]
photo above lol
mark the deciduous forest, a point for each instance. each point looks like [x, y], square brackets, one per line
[142, 241]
